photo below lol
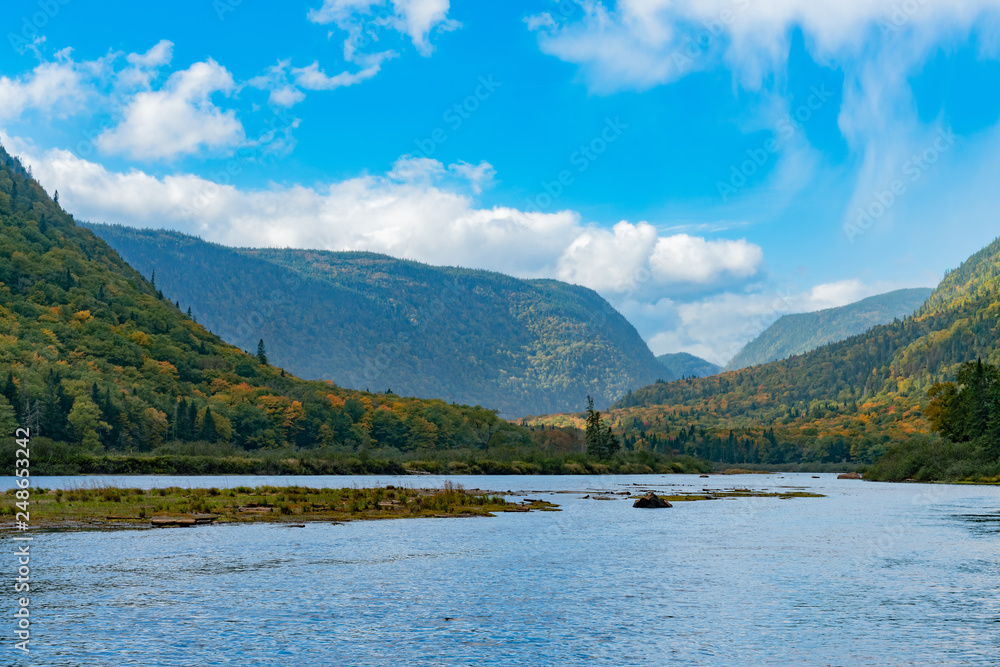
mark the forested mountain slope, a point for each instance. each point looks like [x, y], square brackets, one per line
[94, 357]
[848, 401]
[371, 321]
[682, 364]
[802, 332]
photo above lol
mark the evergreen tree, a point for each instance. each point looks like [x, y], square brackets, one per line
[208, 432]
[601, 441]
[261, 352]
[192, 422]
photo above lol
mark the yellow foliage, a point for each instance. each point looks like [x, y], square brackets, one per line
[219, 385]
[82, 316]
[139, 338]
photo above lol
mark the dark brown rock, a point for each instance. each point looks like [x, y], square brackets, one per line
[650, 501]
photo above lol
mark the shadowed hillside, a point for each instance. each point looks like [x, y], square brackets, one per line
[365, 320]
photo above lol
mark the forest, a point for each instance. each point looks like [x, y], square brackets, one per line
[111, 376]
[369, 321]
[858, 401]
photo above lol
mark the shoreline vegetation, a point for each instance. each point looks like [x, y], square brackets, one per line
[112, 507]
[109, 508]
[52, 458]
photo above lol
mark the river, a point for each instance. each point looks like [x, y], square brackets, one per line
[871, 574]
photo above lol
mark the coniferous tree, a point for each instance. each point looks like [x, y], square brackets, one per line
[208, 432]
[601, 441]
[192, 422]
[261, 352]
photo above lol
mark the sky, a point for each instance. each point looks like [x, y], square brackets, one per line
[707, 166]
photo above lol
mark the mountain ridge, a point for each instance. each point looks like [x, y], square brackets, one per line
[684, 364]
[846, 402]
[94, 359]
[801, 332]
[367, 320]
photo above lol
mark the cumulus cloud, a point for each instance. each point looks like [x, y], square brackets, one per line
[58, 89]
[683, 258]
[179, 119]
[421, 209]
[424, 210]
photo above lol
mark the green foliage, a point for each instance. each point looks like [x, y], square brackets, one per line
[103, 369]
[682, 364]
[367, 321]
[800, 333]
[860, 400]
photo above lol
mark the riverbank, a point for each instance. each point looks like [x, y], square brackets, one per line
[110, 507]
[49, 459]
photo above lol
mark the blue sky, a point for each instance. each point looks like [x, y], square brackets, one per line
[707, 166]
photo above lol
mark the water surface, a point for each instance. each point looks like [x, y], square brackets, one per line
[872, 574]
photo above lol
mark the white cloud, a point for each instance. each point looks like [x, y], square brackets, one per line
[179, 119]
[641, 43]
[363, 20]
[478, 175]
[417, 18]
[421, 209]
[57, 89]
[276, 80]
[634, 258]
[313, 78]
[683, 258]
[143, 68]
[716, 327]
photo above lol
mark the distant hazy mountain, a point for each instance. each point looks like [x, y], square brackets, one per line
[370, 321]
[682, 364]
[800, 333]
[863, 399]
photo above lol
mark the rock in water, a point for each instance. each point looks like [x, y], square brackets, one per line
[848, 475]
[651, 501]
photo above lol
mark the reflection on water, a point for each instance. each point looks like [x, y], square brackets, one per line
[873, 574]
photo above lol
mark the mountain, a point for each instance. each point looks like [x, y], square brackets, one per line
[799, 333]
[849, 401]
[682, 364]
[94, 359]
[365, 320]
